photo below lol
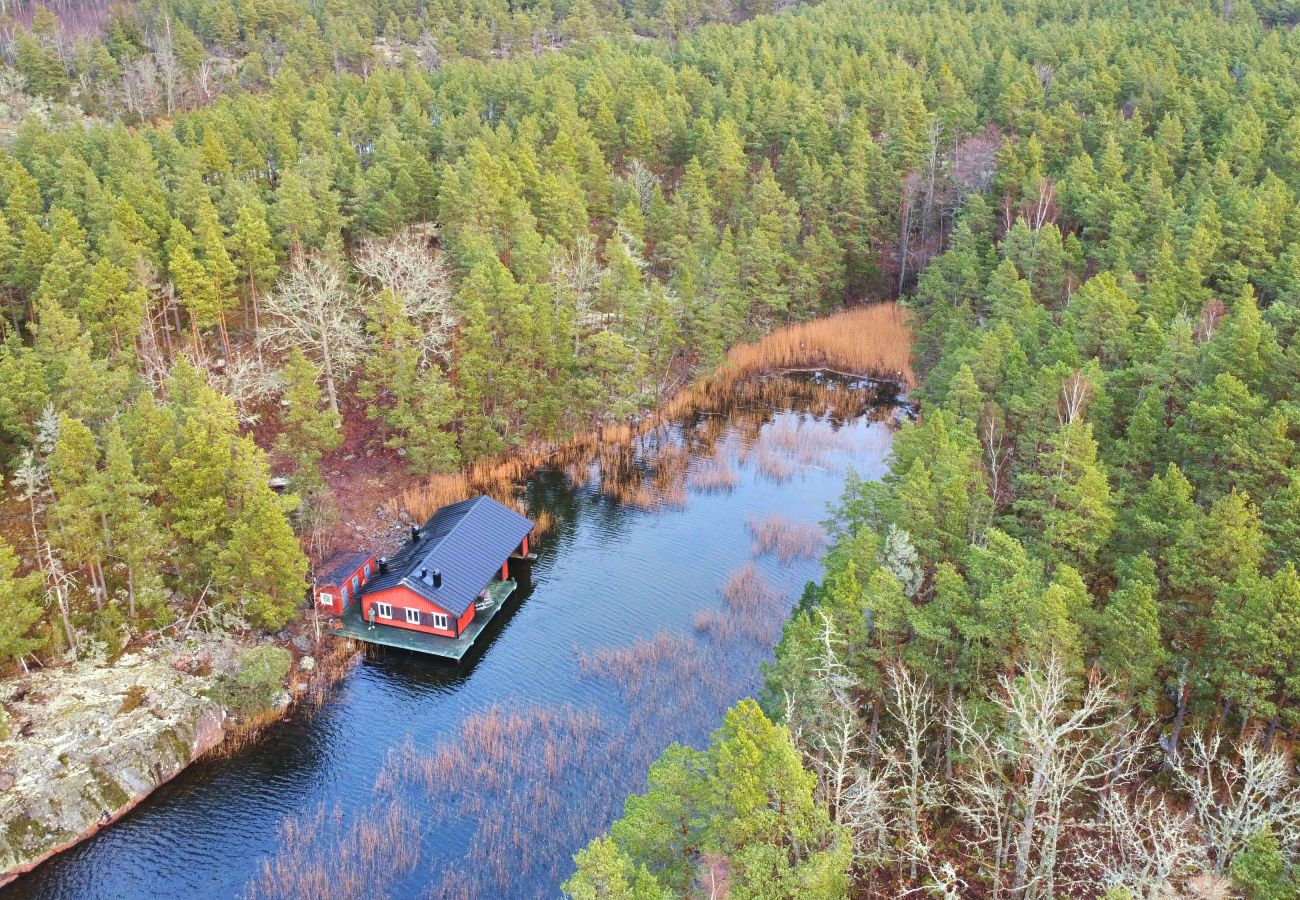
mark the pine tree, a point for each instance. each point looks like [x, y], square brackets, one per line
[131, 524]
[308, 430]
[20, 608]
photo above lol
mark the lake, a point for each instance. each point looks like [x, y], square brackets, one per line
[653, 603]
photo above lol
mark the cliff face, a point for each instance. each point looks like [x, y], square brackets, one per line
[85, 744]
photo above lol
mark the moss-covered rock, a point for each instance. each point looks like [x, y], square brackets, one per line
[86, 753]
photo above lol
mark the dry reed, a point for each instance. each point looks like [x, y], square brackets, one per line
[866, 340]
[640, 468]
[714, 476]
[323, 857]
[788, 539]
[629, 664]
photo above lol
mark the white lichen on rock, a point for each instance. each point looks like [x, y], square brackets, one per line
[86, 742]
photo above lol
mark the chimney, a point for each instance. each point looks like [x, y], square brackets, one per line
[437, 578]
[415, 534]
[383, 564]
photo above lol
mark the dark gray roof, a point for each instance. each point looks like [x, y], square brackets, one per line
[341, 565]
[467, 542]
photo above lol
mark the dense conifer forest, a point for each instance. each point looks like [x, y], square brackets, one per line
[1054, 652]
[1057, 651]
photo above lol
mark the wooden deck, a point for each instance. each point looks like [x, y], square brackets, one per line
[418, 641]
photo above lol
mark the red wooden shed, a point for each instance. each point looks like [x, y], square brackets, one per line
[341, 579]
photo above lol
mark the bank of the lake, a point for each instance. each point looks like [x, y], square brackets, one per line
[624, 637]
[83, 744]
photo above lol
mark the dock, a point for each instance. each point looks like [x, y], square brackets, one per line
[353, 626]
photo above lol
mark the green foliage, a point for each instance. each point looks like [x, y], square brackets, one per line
[1260, 872]
[745, 802]
[259, 679]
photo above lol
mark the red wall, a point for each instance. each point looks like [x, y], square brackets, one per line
[400, 598]
[337, 589]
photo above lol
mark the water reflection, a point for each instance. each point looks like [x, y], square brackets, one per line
[651, 607]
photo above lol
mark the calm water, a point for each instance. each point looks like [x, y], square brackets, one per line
[637, 568]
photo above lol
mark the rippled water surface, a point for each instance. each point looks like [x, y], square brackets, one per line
[621, 640]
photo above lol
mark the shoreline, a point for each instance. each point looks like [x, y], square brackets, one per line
[178, 725]
[744, 362]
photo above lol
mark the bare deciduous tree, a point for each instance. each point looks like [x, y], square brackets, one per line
[1234, 795]
[316, 310]
[1019, 781]
[577, 273]
[826, 727]
[407, 266]
[913, 789]
[1142, 845]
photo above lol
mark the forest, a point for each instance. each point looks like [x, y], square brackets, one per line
[1053, 653]
[1056, 652]
[462, 259]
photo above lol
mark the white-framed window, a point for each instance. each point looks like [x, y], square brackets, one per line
[366, 570]
[343, 595]
[326, 599]
[384, 610]
[412, 616]
[440, 621]
[356, 583]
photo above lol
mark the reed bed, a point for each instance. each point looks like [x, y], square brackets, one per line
[516, 773]
[324, 857]
[626, 458]
[787, 538]
[747, 591]
[714, 476]
[870, 340]
[535, 781]
[629, 664]
[773, 466]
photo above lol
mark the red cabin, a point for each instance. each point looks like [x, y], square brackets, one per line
[432, 583]
[341, 580]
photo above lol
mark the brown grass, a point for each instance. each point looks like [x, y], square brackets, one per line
[866, 340]
[787, 538]
[325, 858]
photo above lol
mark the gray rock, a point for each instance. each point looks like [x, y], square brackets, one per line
[301, 643]
[307, 663]
[7, 780]
[283, 700]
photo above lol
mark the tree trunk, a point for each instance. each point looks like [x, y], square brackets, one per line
[949, 706]
[1171, 752]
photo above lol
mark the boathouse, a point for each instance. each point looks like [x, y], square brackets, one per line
[447, 568]
[341, 579]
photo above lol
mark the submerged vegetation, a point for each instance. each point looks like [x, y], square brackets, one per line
[1055, 651]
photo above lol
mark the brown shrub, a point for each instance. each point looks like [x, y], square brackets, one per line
[786, 538]
[323, 857]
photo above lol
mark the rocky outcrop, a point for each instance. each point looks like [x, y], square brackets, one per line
[85, 744]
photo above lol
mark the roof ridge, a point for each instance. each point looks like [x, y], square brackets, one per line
[473, 502]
